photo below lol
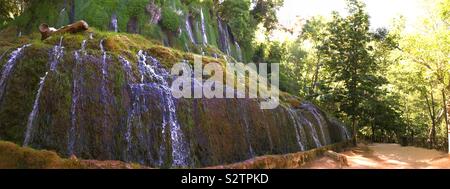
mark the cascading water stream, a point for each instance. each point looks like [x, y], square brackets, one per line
[344, 133]
[56, 54]
[299, 130]
[33, 113]
[135, 106]
[9, 67]
[104, 72]
[76, 93]
[104, 68]
[243, 107]
[320, 121]
[189, 29]
[224, 37]
[114, 26]
[155, 77]
[310, 126]
[203, 27]
[238, 51]
[105, 97]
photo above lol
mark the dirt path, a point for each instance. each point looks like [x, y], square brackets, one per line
[387, 156]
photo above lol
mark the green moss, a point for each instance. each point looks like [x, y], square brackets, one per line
[13, 156]
[21, 90]
[166, 56]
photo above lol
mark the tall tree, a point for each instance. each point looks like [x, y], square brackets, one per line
[347, 58]
[430, 49]
[313, 32]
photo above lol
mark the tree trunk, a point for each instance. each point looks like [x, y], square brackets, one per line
[432, 133]
[446, 117]
[373, 132]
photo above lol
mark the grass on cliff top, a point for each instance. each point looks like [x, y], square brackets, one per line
[13, 156]
[123, 44]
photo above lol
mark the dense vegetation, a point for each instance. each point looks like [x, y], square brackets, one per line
[164, 21]
[388, 85]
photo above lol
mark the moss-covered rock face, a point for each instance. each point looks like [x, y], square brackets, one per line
[13, 156]
[115, 105]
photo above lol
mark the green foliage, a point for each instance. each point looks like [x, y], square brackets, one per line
[341, 65]
[236, 14]
[170, 20]
[265, 12]
[11, 9]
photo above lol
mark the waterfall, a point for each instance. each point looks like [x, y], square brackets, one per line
[313, 131]
[238, 51]
[33, 113]
[76, 93]
[299, 130]
[345, 134]
[83, 46]
[153, 81]
[134, 106]
[189, 29]
[114, 26]
[224, 37]
[155, 77]
[105, 97]
[55, 56]
[243, 107]
[104, 74]
[126, 65]
[8, 68]
[320, 121]
[203, 27]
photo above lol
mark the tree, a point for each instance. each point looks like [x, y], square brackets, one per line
[313, 32]
[347, 57]
[265, 12]
[430, 50]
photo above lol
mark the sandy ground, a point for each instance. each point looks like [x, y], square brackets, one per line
[386, 156]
